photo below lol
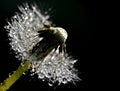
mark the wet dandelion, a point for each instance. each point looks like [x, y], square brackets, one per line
[33, 38]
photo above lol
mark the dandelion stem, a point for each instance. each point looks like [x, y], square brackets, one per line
[15, 76]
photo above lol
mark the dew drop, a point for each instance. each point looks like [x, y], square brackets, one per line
[25, 8]
[24, 73]
[15, 16]
[41, 76]
[11, 73]
[64, 81]
[50, 84]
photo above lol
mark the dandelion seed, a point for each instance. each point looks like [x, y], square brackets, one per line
[33, 38]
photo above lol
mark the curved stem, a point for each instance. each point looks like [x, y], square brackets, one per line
[15, 76]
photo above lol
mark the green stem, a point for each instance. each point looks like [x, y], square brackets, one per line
[15, 76]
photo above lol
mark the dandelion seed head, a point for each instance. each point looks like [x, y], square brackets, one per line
[56, 67]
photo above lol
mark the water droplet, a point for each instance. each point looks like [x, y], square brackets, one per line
[43, 80]
[25, 8]
[22, 64]
[41, 76]
[50, 84]
[64, 81]
[26, 18]
[24, 73]
[11, 73]
[33, 70]
[49, 75]
[15, 16]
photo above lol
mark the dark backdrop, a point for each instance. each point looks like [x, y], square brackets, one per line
[76, 16]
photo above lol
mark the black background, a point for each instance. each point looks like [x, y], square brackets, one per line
[76, 16]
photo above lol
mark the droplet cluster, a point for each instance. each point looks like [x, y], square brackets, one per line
[56, 67]
[23, 35]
